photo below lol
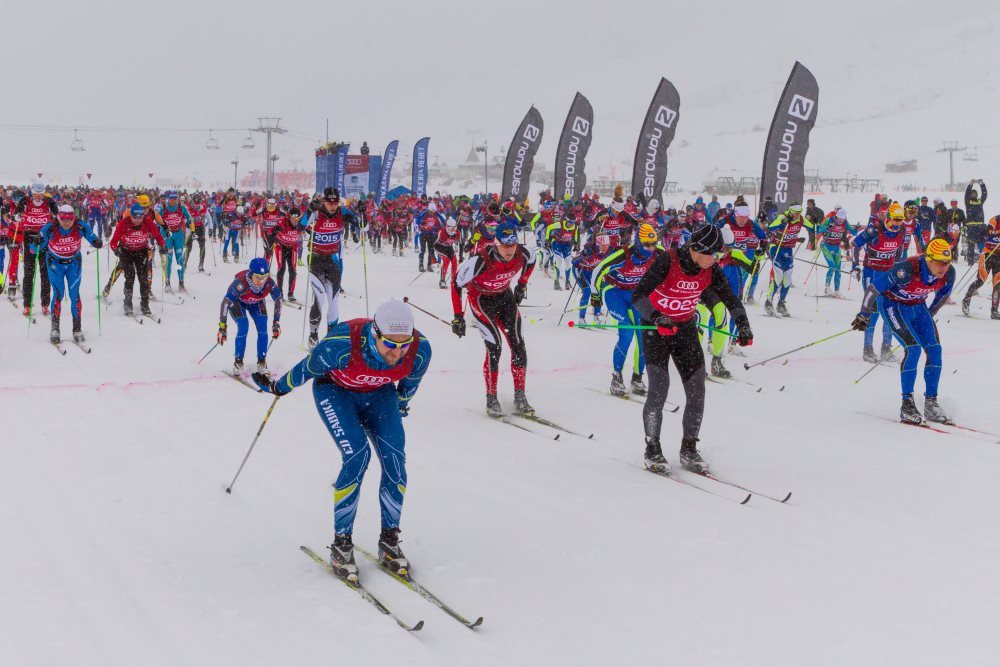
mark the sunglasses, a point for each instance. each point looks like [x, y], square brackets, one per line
[259, 276]
[652, 244]
[394, 345]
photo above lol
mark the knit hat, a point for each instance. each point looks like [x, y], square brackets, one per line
[394, 318]
[706, 240]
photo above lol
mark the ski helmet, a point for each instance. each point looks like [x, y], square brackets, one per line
[137, 211]
[37, 188]
[259, 266]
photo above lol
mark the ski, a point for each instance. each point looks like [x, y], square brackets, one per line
[923, 424]
[970, 429]
[137, 318]
[553, 425]
[291, 304]
[503, 420]
[59, 348]
[152, 318]
[422, 592]
[667, 407]
[681, 480]
[709, 475]
[362, 591]
[243, 381]
[176, 301]
[534, 305]
[83, 346]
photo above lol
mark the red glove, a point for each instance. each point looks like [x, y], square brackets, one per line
[665, 326]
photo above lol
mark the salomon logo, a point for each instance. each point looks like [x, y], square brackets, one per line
[531, 133]
[665, 116]
[581, 126]
[801, 107]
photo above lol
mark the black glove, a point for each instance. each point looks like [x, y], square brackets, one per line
[4, 241]
[595, 300]
[520, 291]
[275, 330]
[404, 409]
[665, 326]
[860, 322]
[314, 205]
[458, 325]
[744, 336]
[266, 384]
[98, 244]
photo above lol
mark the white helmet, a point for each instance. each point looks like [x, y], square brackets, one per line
[452, 223]
[432, 206]
[240, 210]
[841, 214]
[617, 206]
[653, 206]
[37, 188]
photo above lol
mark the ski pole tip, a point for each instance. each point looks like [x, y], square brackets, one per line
[229, 490]
[406, 299]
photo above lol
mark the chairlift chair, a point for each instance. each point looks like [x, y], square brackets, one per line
[248, 142]
[77, 143]
[212, 144]
[971, 155]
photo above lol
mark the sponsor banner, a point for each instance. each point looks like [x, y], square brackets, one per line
[571, 155]
[374, 172]
[649, 169]
[340, 167]
[521, 156]
[784, 175]
[420, 167]
[355, 176]
[387, 159]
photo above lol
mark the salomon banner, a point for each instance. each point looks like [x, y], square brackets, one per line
[387, 159]
[355, 177]
[521, 156]
[649, 169]
[571, 156]
[784, 175]
[340, 167]
[420, 167]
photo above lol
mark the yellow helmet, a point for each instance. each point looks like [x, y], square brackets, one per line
[896, 211]
[939, 250]
[143, 200]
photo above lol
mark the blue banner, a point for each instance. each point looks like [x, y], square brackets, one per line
[340, 167]
[387, 159]
[321, 172]
[420, 167]
[374, 171]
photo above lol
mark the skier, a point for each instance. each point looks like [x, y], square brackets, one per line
[428, 223]
[563, 240]
[130, 243]
[835, 236]
[883, 244]
[975, 227]
[487, 274]
[595, 250]
[270, 215]
[245, 299]
[366, 372]
[33, 213]
[900, 296]
[176, 218]
[784, 236]
[989, 262]
[613, 283]
[666, 297]
[198, 210]
[325, 262]
[61, 243]
[233, 222]
[287, 236]
[448, 237]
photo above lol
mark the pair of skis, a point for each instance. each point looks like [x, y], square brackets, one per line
[408, 581]
[708, 475]
[62, 350]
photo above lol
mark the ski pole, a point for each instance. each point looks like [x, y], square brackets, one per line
[406, 299]
[645, 327]
[785, 354]
[100, 329]
[305, 306]
[364, 267]
[229, 489]
[874, 366]
[210, 350]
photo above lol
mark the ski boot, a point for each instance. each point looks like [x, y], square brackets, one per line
[637, 386]
[225, 257]
[12, 290]
[27, 311]
[78, 331]
[441, 284]
[127, 309]
[994, 315]
[617, 384]
[750, 301]
[783, 309]
[181, 288]
[201, 269]
[691, 458]
[869, 355]
[146, 311]
[719, 370]
[262, 366]
[836, 294]
[390, 555]
[966, 304]
[885, 354]
[493, 408]
[342, 558]
[567, 284]
[54, 336]
[653, 459]
[237, 365]
[769, 308]
[908, 413]
[557, 284]
[168, 288]
[45, 310]
[933, 412]
[521, 405]
[421, 267]
[291, 299]
[827, 291]
[236, 259]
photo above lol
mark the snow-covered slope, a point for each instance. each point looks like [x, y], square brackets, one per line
[120, 546]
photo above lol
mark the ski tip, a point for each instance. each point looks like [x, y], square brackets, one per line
[406, 299]
[229, 490]
[760, 389]
[557, 436]
[676, 408]
[416, 628]
[785, 499]
[476, 623]
[747, 499]
[590, 437]
[782, 388]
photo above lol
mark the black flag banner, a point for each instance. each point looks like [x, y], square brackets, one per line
[783, 177]
[649, 171]
[521, 156]
[571, 156]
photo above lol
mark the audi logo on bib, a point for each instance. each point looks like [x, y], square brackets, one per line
[371, 380]
[692, 285]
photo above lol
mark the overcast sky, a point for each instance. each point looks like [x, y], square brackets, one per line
[454, 71]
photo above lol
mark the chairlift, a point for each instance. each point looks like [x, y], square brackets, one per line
[248, 142]
[212, 144]
[77, 143]
[971, 155]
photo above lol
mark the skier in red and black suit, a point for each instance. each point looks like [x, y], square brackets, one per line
[488, 275]
[131, 243]
[428, 223]
[667, 297]
[33, 213]
[325, 263]
[270, 215]
[448, 237]
[199, 211]
[287, 236]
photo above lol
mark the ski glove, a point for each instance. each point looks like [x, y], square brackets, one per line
[665, 326]
[98, 244]
[520, 291]
[220, 338]
[856, 270]
[595, 300]
[744, 336]
[404, 409]
[860, 322]
[275, 330]
[266, 384]
[458, 325]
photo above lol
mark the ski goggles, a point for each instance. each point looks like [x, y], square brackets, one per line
[392, 344]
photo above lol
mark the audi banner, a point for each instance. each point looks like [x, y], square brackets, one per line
[649, 169]
[521, 156]
[387, 159]
[420, 167]
[784, 175]
[571, 155]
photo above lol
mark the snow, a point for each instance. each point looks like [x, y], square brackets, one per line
[122, 548]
